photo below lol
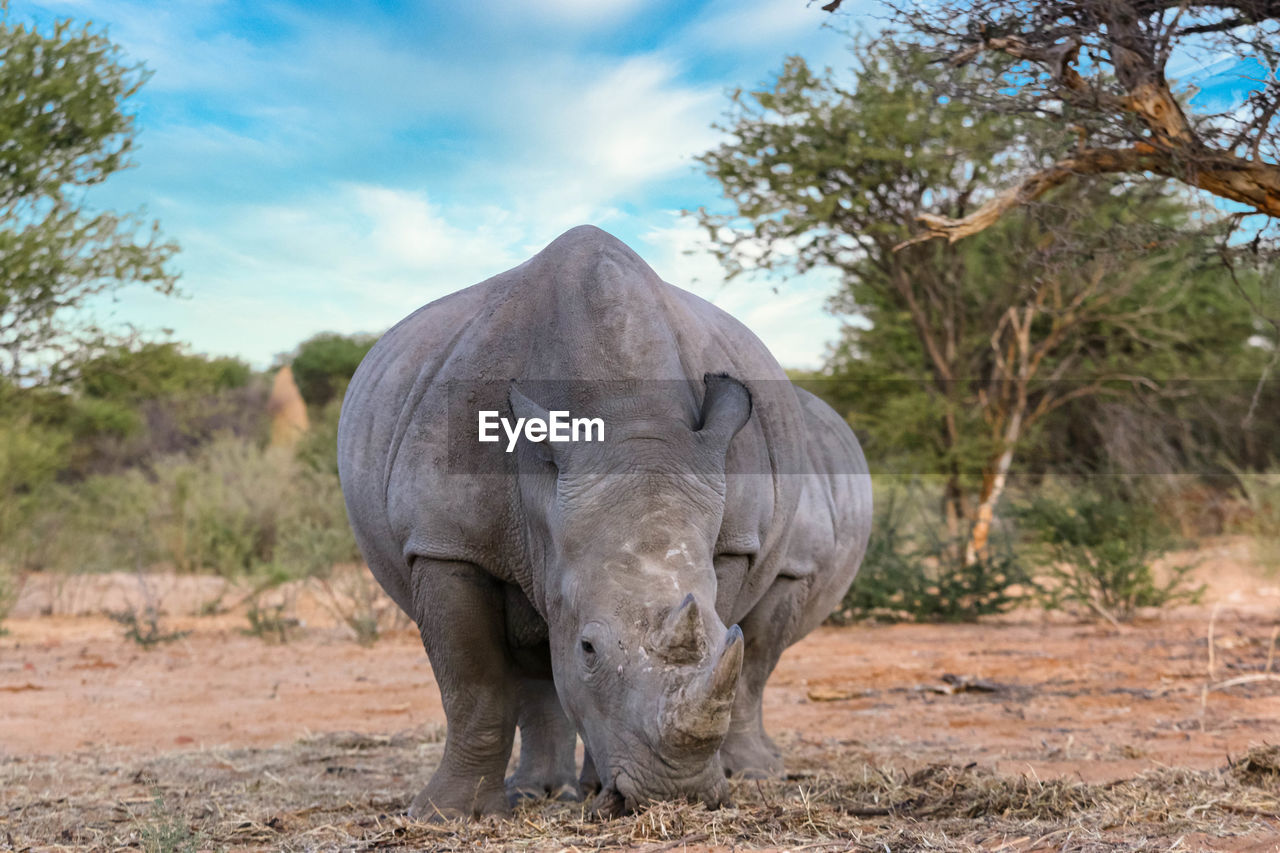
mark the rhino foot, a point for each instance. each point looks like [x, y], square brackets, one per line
[444, 800]
[750, 755]
[562, 790]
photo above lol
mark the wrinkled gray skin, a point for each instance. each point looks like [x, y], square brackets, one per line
[589, 588]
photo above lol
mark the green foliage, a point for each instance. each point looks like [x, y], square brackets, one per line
[269, 621]
[817, 171]
[1096, 551]
[31, 455]
[144, 628]
[910, 573]
[232, 508]
[10, 589]
[62, 117]
[323, 365]
[318, 448]
[167, 832]
[1261, 519]
[129, 374]
[90, 418]
[1102, 295]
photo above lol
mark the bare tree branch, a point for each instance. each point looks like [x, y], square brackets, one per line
[1127, 117]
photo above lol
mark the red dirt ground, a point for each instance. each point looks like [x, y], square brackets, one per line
[1070, 698]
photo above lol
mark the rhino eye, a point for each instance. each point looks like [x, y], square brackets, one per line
[588, 649]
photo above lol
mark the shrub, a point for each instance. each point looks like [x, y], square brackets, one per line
[10, 588]
[143, 627]
[233, 509]
[1262, 520]
[910, 574]
[354, 597]
[171, 425]
[318, 448]
[324, 364]
[148, 371]
[166, 831]
[1098, 548]
[31, 455]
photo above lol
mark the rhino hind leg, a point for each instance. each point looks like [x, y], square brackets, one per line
[547, 740]
[460, 614]
[748, 751]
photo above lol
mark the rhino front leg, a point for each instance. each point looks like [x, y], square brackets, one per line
[547, 741]
[588, 779]
[461, 617]
[767, 630]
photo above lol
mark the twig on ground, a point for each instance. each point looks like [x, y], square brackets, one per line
[1271, 649]
[1244, 679]
[1213, 618]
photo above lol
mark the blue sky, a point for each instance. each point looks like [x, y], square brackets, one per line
[333, 166]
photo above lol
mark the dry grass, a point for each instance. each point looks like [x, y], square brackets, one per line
[349, 792]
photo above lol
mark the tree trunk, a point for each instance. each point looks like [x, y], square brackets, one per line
[993, 483]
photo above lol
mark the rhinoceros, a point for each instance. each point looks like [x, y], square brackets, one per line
[637, 591]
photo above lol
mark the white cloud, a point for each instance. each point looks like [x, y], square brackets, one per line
[351, 258]
[561, 12]
[301, 172]
[792, 322]
[755, 24]
[596, 134]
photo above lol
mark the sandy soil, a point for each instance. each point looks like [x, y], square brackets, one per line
[1053, 697]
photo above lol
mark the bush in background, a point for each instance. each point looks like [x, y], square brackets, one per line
[233, 508]
[1261, 520]
[910, 573]
[1096, 550]
[132, 373]
[324, 364]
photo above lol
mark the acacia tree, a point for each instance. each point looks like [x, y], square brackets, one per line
[65, 130]
[966, 348]
[1100, 67]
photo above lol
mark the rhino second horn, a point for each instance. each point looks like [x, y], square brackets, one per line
[722, 683]
[682, 639]
[699, 722]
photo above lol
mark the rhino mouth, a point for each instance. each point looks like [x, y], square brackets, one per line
[622, 796]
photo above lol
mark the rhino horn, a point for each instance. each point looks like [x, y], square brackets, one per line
[699, 722]
[682, 639]
[722, 681]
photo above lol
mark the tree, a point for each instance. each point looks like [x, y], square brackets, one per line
[65, 130]
[1098, 67]
[129, 374]
[965, 349]
[323, 364]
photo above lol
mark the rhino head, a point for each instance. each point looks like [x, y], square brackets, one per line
[642, 662]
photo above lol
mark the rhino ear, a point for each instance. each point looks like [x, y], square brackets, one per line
[726, 408]
[523, 407]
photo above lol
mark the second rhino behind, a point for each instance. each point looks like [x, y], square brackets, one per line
[637, 591]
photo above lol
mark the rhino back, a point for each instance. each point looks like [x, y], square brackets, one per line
[585, 308]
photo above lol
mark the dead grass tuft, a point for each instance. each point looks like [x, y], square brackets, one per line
[1260, 766]
[350, 791]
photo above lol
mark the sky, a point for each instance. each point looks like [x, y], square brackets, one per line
[332, 166]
